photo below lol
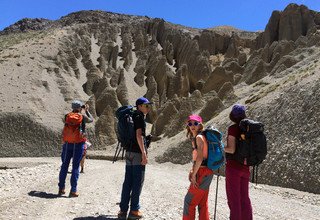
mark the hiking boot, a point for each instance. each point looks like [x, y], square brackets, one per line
[61, 192]
[122, 215]
[135, 215]
[73, 194]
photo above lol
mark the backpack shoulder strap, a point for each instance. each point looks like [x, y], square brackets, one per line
[65, 118]
[205, 143]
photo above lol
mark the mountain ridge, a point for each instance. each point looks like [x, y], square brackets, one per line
[107, 60]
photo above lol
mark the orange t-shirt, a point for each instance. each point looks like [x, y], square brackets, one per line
[205, 148]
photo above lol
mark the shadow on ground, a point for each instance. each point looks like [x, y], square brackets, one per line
[43, 195]
[100, 217]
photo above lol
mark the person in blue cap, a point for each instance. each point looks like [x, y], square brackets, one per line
[73, 138]
[237, 174]
[136, 160]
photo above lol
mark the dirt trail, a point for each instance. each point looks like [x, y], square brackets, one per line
[29, 192]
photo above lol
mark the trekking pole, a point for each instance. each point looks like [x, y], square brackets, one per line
[257, 175]
[122, 154]
[116, 154]
[215, 203]
[253, 174]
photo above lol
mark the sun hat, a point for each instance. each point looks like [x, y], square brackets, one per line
[76, 104]
[195, 118]
[238, 111]
[143, 100]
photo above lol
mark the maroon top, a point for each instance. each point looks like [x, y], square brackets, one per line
[234, 131]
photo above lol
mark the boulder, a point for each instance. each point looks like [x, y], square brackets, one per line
[105, 127]
[257, 71]
[107, 98]
[233, 66]
[242, 59]
[226, 90]
[166, 116]
[217, 78]
[211, 108]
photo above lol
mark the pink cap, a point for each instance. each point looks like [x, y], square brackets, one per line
[195, 118]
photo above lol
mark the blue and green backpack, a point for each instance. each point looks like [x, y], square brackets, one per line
[215, 148]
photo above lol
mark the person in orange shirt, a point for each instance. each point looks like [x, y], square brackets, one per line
[73, 144]
[200, 175]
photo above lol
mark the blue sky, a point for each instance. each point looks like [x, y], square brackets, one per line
[250, 15]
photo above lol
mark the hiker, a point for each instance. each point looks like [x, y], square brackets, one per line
[73, 145]
[136, 160]
[84, 154]
[237, 174]
[200, 175]
[86, 144]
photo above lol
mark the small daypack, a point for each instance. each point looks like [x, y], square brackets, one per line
[215, 148]
[125, 129]
[251, 147]
[72, 128]
[216, 156]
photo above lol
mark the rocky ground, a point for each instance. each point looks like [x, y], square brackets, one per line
[28, 188]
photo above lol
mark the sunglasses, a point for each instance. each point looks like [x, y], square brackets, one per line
[195, 123]
[146, 105]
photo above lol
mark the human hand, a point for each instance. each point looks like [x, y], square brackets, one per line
[194, 180]
[190, 175]
[144, 160]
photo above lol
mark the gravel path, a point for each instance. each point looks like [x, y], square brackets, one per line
[28, 188]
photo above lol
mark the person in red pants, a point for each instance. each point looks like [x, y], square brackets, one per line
[237, 174]
[200, 175]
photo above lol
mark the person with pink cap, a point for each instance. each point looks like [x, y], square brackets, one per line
[200, 175]
[237, 174]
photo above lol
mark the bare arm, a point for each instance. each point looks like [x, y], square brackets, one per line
[199, 159]
[141, 145]
[87, 117]
[198, 162]
[231, 145]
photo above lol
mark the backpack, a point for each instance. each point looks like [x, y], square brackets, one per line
[72, 128]
[215, 148]
[251, 147]
[125, 129]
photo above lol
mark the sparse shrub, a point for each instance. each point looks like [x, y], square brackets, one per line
[261, 83]
[261, 94]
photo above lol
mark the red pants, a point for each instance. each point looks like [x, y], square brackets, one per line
[237, 188]
[198, 196]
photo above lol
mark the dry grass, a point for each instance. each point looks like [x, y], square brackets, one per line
[7, 41]
[262, 93]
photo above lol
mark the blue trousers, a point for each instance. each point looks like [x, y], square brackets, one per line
[75, 152]
[132, 187]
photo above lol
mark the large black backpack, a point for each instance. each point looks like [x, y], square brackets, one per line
[125, 129]
[251, 147]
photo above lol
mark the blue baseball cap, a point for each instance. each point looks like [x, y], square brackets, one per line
[143, 100]
[76, 104]
[238, 111]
